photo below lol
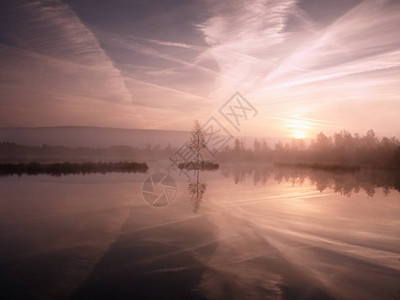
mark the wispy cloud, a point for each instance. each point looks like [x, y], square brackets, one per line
[302, 69]
[291, 61]
[172, 44]
[61, 53]
[242, 37]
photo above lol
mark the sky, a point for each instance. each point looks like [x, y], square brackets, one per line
[305, 66]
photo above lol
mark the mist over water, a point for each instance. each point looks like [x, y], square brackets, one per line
[236, 233]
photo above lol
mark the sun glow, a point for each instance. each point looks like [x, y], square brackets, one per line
[298, 127]
[298, 134]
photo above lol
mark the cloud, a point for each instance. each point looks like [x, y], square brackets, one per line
[242, 37]
[293, 71]
[290, 60]
[127, 43]
[59, 53]
[173, 44]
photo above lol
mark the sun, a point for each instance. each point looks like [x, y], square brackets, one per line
[297, 127]
[299, 134]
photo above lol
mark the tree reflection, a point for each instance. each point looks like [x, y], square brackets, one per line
[240, 172]
[196, 192]
[344, 183]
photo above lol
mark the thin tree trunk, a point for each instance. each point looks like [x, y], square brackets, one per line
[198, 150]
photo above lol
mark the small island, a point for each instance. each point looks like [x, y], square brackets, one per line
[57, 169]
[202, 165]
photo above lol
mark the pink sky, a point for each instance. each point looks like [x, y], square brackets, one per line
[305, 65]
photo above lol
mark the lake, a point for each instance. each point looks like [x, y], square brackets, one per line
[240, 232]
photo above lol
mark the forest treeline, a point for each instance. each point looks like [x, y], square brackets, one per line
[342, 148]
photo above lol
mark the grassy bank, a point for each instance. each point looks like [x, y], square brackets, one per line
[58, 169]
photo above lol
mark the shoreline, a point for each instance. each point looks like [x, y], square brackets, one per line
[66, 168]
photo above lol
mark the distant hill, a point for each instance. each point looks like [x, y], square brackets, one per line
[76, 136]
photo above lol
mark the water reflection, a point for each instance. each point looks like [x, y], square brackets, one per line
[196, 192]
[272, 235]
[343, 183]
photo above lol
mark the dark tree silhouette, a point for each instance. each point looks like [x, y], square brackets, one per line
[197, 140]
[342, 151]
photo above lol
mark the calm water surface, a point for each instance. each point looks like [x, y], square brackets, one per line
[243, 234]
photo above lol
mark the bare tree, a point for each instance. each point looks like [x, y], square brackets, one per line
[197, 140]
[237, 145]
